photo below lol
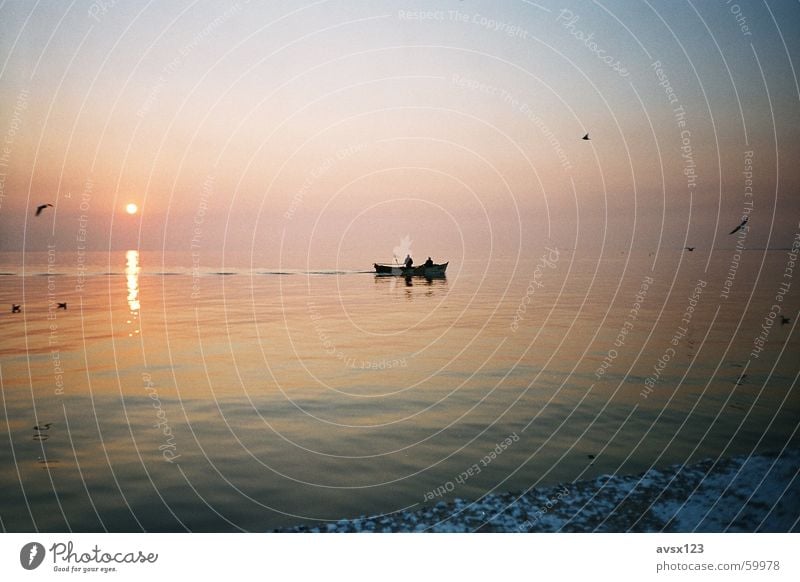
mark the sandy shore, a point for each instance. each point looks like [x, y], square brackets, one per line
[738, 494]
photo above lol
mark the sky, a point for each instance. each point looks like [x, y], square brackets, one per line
[332, 130]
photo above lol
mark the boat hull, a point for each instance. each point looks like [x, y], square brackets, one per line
[419, 271]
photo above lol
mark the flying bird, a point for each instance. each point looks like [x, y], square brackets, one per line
[738, 228]
[41, 207]
[61, 305]
[15, 308]
[690, 249]
[586, 137]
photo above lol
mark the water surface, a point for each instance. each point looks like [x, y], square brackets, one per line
[173, 396]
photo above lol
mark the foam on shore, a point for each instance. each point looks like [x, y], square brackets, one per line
[739, 494]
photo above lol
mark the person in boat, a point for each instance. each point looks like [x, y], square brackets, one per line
[409, 262]
[429, 262]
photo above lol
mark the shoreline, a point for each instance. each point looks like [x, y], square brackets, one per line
[755, 493]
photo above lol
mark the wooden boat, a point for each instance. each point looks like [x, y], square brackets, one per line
[430, 272]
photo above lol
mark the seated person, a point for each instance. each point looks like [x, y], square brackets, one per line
[409, 262]
[429, 262]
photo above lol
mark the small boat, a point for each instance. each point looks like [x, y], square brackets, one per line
[430, 272]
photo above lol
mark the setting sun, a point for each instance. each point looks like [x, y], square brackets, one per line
[131, 208]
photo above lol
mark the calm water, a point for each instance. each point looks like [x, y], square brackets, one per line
[170, 397]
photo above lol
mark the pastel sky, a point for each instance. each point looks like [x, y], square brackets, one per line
[334, 129]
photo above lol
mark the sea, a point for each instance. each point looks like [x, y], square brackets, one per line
[173, 393]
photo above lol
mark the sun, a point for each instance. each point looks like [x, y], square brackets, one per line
[131, 208]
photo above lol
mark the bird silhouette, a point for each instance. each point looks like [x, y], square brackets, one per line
[61, 305]
[785, 320]
[15, 308]
[690, 249]
[738, 228]
[41, 207]
[586, 137]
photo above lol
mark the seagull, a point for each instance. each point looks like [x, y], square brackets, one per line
[785, 320]
[15, 308]
[586, 137]
[41, 207]
[738, 228]
[690, 249]
[61, 305]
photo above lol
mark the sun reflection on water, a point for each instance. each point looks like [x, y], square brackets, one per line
[132, 278]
